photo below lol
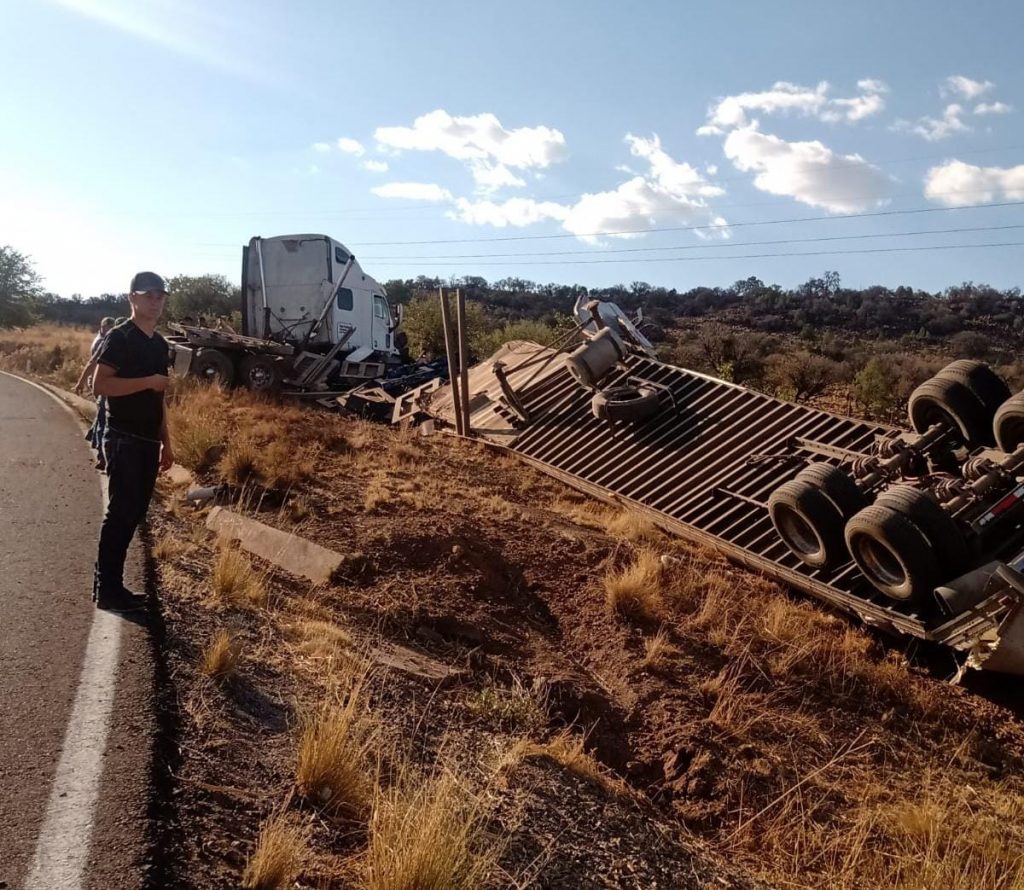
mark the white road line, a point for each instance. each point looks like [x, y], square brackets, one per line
[63, 844]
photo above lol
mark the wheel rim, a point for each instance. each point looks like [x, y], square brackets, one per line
[210, 372]
[880, 562]
[260, 378]
[798, 533]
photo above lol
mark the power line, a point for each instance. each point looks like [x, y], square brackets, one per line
[707, 227]
[721, 245]
[748, 256]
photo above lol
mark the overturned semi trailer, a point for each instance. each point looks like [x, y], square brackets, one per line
[701, 458]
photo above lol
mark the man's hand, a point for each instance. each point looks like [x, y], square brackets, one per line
[166, 458]
[157, 382]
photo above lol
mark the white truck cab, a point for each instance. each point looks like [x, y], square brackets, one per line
[294, 284]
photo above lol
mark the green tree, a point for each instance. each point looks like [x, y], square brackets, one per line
[875, 386]
[19, 285]
[422, 325]
[195, 295]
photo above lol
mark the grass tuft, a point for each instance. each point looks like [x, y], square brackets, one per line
[634, 592]
[426, 835]
[334, 764]
[277, 860]
[658, 649]
[235, 582]
[568, 750]
[221, 657]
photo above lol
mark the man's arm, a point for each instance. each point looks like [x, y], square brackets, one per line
[86, 371]
[107, 383]
[166, 453]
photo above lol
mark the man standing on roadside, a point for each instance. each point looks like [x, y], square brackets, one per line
[95, 434]
[131, 372]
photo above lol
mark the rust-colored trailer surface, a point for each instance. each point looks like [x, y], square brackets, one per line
[703, 468]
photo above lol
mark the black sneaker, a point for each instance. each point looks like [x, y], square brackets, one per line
[120, 601]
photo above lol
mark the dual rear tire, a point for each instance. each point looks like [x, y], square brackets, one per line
[810, 512]
[259, 373]
[905, 544]
[964, 396]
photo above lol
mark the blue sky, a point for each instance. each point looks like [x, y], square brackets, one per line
[537, 139]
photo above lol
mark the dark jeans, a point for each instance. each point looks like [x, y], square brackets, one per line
[132, 466]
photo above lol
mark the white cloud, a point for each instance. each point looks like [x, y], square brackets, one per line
[350, 146]
[517, 212]
[935, 129]
[413, 191]
[992, 108]
[669, 193]
[958, 85]
[955, 183]
[321, 147]
[810, 172]
[479, 138]
[730, 112]
[872, 85]
[375, 166]
[491, 177]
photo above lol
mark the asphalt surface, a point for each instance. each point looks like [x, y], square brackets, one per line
[50, 513]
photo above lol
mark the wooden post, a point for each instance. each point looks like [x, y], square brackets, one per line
[460, 302]
[449, 348]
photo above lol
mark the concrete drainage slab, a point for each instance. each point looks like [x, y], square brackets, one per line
[287, 551]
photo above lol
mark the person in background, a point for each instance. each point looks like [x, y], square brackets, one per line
[132, 372]
[95, 432]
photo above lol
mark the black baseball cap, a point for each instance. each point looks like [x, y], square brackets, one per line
[147, 281]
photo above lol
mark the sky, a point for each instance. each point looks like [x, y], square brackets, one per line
[584, 141]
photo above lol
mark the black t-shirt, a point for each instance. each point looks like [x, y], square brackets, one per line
[131, 353]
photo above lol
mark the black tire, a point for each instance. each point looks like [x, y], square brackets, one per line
[893, 554]
[630, 404]
[838, 486]
[809, 523]
[260, 373]
[990, 389]
[949, 402]
[936, 524]
[213, 366]
[1008, 424]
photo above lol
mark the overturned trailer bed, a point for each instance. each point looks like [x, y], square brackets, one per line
[703, 467]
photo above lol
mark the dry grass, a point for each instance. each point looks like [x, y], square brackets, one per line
[234, 580]
[427, 835]
[633, 527]
[658, 649]
[239, 463]
[168, 547]
[512, 706]
[568, 750]
[277, 860]
[198, 417]
[335, 766]
[634, 592]
[220, 659]
[51, 352]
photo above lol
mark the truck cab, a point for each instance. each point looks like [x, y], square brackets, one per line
[296, 284]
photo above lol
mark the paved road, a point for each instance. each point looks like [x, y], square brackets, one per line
[71, 815]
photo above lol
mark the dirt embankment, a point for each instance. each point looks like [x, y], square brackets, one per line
[612, 708]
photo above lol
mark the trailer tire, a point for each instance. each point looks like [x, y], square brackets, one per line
[837, 485]
[990, 389]
[630, 404]
[260, 373]
[893, 554]
[213, 366]
[935, 523]
[1009, 423]
[949, 402]
[809, 523]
